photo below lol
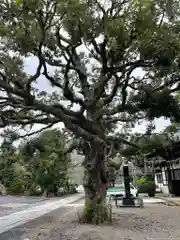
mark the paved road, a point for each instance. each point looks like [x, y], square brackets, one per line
[45, 223]
[20, 199]
[12, 204]
[34, 210]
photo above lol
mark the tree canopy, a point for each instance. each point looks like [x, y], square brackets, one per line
[95, 50]
[152, 142]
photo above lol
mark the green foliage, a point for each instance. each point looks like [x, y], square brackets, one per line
[172, 128]
[172, 131]
[144, 179]
[41, 162]
[46, 160]
[139, 34]
[8, 157]
[148, 187]
[148, 143]
[17, 181]
[160, 103]
[141, 180]
[18, 2]
[12, 173]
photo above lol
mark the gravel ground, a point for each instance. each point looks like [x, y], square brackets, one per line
[154, 222]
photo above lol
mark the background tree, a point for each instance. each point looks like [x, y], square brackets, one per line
[8, 157]
[172, 131]
[148, 143]
[46, 161]
[94, 49]
[40, 162]
[17, 181]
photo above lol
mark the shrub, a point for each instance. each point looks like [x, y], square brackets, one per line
[17, 186]
[149, 177]
[141, 180]
[148, 187]
[35, 191]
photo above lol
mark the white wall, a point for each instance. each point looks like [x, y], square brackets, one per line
[165, 190]
[163, 186]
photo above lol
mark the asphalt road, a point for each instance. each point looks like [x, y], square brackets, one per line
[26, 230]
[12, 204]
[20, 199]
[62, 207]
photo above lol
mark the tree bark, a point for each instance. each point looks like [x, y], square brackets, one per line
[95, 185]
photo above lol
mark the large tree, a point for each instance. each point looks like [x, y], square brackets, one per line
[88, 51]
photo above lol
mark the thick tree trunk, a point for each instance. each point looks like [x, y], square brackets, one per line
[95, 184]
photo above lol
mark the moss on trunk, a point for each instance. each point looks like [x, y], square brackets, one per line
[96, 210]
